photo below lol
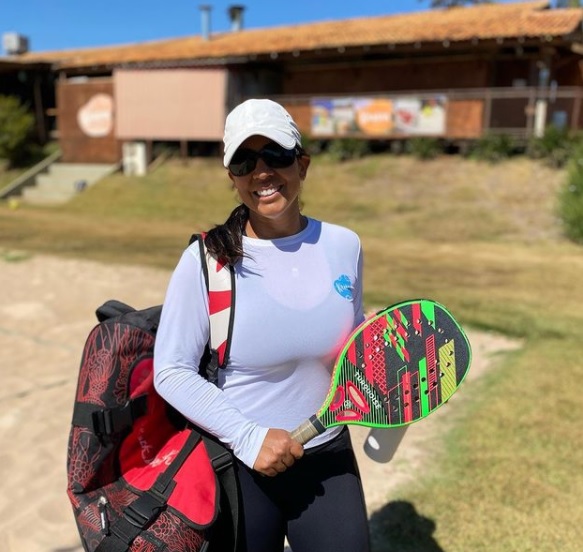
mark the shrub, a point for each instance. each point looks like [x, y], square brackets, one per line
[348, 148]
[313, 146]
[16, 124]
[571, 197]
[493, 147]
[424, 148]
[555, 146]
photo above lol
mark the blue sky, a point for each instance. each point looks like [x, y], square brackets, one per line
[64, 24]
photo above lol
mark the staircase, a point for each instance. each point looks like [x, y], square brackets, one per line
[62, 181]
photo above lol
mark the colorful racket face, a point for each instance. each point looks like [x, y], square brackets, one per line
[397, 367]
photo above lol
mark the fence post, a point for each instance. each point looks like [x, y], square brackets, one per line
[487, 111]
[576, 111]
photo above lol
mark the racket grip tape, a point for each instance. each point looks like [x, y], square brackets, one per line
[308, 430]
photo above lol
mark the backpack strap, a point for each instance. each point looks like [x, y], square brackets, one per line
[223, 465]
[220, 281]
[112, 308]
[145, 509]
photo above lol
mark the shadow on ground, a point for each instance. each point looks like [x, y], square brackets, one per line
[397, 527]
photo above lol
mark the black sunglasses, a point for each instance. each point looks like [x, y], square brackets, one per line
[274, 156]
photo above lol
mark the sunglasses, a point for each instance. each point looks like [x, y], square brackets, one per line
[274, 156]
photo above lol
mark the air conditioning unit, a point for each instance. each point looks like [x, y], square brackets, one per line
[135, 162]
[14, 44]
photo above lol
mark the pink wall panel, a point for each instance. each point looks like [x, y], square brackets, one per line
[170, 104]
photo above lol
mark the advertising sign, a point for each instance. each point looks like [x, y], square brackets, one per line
[379, 117]
[95, 118]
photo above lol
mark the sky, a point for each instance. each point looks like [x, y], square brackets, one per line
[71, 24]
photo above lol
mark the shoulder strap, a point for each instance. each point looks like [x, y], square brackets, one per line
[220, 280]
[112, 308]
[223, 464]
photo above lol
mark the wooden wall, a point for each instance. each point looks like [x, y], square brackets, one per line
[464, 117]
[386, 77]
[85, 121]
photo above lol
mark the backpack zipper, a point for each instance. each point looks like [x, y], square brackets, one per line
[103, 519]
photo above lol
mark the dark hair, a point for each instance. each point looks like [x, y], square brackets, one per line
[225, 241]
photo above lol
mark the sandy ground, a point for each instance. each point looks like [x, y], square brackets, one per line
[46, 311]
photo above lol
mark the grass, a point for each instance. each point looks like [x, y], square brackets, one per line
[7, 175]
[484, 240]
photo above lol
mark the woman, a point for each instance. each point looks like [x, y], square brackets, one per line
[298, 297]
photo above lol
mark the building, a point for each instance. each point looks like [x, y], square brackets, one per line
[455, 73]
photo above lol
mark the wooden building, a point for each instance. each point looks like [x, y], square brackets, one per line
[454, 73]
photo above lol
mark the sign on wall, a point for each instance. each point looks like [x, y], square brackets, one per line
[170, 104]
[379, 117]
[95, 118]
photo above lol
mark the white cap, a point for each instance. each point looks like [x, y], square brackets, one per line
[263, 118]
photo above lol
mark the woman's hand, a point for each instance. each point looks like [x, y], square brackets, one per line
[278, 452]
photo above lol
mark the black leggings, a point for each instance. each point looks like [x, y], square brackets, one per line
[317, 503]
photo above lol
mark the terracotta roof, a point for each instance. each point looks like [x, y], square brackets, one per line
[486, 21]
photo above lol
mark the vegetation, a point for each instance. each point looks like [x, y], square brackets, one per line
[454, 3]
[555, 146]
[493, 147]
[16, 124]
[571, 197]
[343, 149]
[481, 238]
[424, 147]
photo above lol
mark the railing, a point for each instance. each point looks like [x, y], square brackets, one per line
[28, 178]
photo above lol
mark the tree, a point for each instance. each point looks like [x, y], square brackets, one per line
[16, 124]
[453, 3]
[568, 3]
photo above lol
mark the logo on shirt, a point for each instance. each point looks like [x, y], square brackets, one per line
[343, 286]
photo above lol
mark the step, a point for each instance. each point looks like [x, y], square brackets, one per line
[64, 180]
[42, 197]
[74, 172]
[87, 168]
[50, 182]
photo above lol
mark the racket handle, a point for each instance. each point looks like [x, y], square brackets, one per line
[308, 430]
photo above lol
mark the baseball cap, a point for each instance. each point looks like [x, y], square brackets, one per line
[259, 117]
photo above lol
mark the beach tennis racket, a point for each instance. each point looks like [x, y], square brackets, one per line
[396, 368]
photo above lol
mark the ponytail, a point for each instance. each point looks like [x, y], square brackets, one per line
[225, 241]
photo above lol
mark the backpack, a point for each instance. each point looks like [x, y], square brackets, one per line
[140, 477]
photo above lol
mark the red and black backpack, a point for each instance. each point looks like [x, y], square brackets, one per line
[139, 476]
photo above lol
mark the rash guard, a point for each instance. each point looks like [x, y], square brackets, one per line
[297, 299]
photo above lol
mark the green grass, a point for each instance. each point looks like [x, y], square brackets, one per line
[484, 240]
[509, 476]
[8, 175]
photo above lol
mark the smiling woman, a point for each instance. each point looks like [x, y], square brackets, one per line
[267, 166]
[271, 194]
[298, 296]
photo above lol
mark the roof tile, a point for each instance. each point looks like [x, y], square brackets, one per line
[486, 21]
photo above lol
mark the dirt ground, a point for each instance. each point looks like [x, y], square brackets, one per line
[46, 311]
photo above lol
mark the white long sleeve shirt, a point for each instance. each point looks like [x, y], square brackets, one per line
[297, 299]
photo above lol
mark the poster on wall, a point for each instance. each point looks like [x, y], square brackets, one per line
[334, 116]
[420, 116]
[95, 118]
[378, 117]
